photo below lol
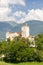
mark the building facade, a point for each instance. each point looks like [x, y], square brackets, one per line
[11, 35]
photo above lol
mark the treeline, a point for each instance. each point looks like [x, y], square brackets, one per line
[19, 49]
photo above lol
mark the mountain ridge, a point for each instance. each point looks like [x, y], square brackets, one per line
[35, 27]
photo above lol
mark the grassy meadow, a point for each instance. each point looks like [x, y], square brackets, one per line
[24, 63]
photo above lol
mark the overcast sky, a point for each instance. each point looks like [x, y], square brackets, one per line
[21, 10]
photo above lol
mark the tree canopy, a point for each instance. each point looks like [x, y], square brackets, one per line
[19, 50]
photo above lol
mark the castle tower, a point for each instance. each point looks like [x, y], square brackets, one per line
[25, 31]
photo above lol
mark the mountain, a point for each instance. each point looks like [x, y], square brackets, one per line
[35, 27]
[5, 27]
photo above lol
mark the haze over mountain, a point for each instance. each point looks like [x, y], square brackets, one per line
[35, 27]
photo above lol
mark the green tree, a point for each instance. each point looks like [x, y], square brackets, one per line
[39, 46]
[39, 41]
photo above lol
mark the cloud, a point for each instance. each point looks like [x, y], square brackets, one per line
[34, 14]
[19, 13]
[21, 2]
[3, 3]
[7, 2]
[18, 16]
[4, 12]
[5, 9]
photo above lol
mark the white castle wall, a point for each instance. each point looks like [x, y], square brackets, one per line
[25, 31]
[11, 35]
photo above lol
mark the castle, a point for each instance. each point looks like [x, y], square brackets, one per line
[25, 32]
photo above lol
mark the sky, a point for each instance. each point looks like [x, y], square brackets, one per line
[21, 11]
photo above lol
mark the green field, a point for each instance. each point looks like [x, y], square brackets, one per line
[24, 63]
